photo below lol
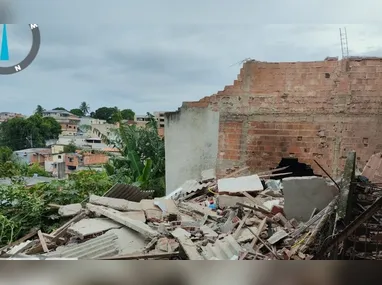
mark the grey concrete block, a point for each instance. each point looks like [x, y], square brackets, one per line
[303, 194]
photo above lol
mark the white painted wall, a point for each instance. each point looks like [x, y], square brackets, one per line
[191, 144]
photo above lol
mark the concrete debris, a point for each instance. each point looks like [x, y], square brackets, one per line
[232, 218]
[240, 184]
[223, 249]
[114, 203]
[304, 194]
[89, 227]
[69, 210]
[118, 217]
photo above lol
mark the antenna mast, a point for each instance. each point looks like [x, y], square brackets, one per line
[344, 43]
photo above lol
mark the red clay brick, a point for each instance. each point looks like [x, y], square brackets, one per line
[289, 103]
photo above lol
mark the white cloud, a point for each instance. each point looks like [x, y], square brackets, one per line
[153, 55]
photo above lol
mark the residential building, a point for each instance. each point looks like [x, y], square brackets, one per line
[160, 118]
[76, 161]
[91, 121]
[53, 161]
[68, 122]
[82, 142]
[142, 120]
[5, 116]
[33, 155]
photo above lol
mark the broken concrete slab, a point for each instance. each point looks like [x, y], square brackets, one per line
[303, 194]
[117, 216]
[208, 232]
[167, 245]
[88, 227]
[69, 210]
[153, 212]
[246, 234]
[114, 203]
[225, 201]
[135, 215]
[128, 241]
[250, 183]
[167, 206]
[189, 248]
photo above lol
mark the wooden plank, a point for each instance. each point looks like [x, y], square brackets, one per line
[21, 240]
[42, 241]
[236, 172]
[275, 175]
[255, 239]
[62, 230]
[238, 230]
[272, 170]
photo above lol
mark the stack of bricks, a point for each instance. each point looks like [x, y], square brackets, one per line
[309, 110]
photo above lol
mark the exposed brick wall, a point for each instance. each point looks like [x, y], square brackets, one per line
[95, 159]
[310, 110]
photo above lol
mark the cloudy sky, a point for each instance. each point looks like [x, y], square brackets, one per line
[151, 55]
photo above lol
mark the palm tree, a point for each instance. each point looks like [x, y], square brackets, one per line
[85, 108]
[39, 110]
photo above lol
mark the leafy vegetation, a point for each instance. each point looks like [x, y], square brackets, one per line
[141, 163]
[85, 108]
[113, 114]
[70, 148]
[20, 133]
[77, 112]
[142, 160]
[22, 209]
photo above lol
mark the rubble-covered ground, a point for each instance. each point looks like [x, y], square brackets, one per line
[237, 217]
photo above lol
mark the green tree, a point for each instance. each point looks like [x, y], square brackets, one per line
[142, 159]
[70, 148]
[60, 108]
[77, 112]
[128, 114]
[85, 108]
[106, 113]
[39, 110]
[6, 154]
[20, 133]
[35, 169]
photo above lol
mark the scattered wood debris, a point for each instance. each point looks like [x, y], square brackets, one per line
[240, 221]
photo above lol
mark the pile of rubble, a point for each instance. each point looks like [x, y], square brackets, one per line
[233, 218]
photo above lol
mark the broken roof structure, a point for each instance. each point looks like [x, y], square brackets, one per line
[237, 217]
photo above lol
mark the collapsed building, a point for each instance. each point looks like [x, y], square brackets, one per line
[310, 110]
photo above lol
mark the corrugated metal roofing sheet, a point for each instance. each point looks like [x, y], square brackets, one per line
[104, 245]
[224, 249]
[128, 192]
[188, 187]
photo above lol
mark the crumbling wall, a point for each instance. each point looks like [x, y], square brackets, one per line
[191, 144]
[311, 110]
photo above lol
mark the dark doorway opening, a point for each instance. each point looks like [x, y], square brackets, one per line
[297, 168]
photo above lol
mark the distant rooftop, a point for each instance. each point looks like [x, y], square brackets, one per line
[57, 111]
